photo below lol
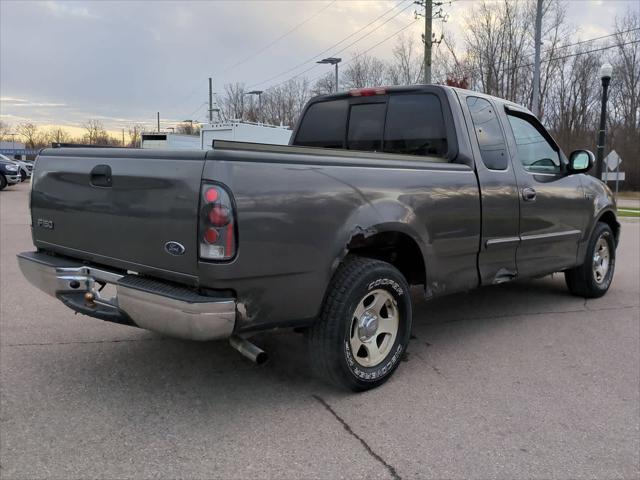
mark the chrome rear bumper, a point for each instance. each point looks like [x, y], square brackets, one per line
[147, 303]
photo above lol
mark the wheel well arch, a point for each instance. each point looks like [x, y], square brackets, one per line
[397, 248]
[609, 217]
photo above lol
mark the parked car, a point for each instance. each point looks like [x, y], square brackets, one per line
[380, 189]
[9, 173]
[25, 167]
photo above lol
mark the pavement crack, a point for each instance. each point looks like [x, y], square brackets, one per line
[35, 344]
[350, 431]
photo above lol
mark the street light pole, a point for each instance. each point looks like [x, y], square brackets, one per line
[605, 75]
[259, 94]
[332, 61]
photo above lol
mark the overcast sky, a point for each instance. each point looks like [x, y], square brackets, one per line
[64, 62]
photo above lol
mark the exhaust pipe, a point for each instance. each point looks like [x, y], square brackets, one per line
[248, 349]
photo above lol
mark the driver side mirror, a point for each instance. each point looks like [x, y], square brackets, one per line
[581, 161]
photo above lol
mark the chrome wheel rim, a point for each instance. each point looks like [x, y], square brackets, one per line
[374, 328]
[601, 260]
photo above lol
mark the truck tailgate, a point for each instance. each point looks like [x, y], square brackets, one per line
[119, 207]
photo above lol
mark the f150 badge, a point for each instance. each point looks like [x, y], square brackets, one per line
[44, 223]
[174, 248]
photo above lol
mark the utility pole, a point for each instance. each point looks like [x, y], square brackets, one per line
[210, 100]
[535, 108]
[428, 33]
[605, 76]
[123, 137]
[428, 39]
[158, 122]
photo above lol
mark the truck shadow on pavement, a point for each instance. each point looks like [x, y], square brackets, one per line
[211, 372]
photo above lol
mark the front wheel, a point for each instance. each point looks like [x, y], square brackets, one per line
[364, 325]
[23, 175]
[593, 278]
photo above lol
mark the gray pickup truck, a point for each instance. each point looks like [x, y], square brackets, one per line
[380, 189]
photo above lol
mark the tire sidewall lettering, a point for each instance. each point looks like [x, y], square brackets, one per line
[388, 365]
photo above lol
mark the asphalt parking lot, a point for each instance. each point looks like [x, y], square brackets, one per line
[516, 381]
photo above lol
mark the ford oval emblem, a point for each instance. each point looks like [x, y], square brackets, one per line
[174, 248]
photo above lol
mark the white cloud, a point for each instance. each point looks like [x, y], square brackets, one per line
[61, 9]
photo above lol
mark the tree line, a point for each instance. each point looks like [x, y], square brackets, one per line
[95, 133]
[495, 56]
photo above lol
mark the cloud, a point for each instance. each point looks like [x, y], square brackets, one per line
[123, 61]
[62, 9]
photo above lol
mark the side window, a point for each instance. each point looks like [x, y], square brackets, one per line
[534, 151]
[489, 134]
[366, 121]
[323, 125]
[415, 125]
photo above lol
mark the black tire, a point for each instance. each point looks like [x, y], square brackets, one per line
[3, 182]
[329, 339]
[23, 176]
[583, 281]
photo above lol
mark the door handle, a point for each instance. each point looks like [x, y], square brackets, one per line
[528, 194]
[100, 176]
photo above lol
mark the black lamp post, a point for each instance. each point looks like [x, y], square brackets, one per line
[332, 61]
[258, 93]
[605, 74]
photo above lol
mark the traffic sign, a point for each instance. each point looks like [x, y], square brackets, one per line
[613, 176]
[612, 160]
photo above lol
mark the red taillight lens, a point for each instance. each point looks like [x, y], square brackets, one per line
[211, 195]
[219, 215]
[217, 225]
[211, 235]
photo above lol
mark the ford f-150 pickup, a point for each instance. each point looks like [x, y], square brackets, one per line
[381, 188]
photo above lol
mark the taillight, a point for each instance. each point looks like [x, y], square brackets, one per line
[217, 224]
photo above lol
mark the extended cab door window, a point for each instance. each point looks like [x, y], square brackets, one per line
[536, 154]
[415, 125]
[493, 149]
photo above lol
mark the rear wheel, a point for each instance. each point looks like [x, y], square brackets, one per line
[364, 326]
[3, 182]
[593, 278]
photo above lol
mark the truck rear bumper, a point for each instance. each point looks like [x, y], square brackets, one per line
[151, 304]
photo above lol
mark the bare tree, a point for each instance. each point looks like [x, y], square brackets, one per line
[58, 135]
[626, 79]
[406, 66]
[324, 85]
[32, 136]
[496, 48]
[95, 132]
[5, 131]
[135, 132]
[364, 71]
[281, 105]
[187, 127]
[233, 101]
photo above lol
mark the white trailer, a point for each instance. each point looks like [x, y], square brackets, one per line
[236, 130]
[173, 141]
[241, 131]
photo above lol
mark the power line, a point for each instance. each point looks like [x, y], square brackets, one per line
[576, 54]
[269, 45]
[311, 59]
[598, 38]
[374, 46]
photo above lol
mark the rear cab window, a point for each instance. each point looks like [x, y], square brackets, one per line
[399, 123]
